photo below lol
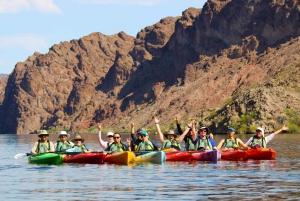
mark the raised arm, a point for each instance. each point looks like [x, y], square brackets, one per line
[132, 133]
[181, 137]
[161, 137]
[194, 135]
[178, 126]
[100, 141]
[284, 128]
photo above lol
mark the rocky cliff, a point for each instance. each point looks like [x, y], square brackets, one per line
[230, 58]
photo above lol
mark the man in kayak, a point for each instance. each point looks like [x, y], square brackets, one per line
[147, 144]
[171, 141]
[43, 145]
[259, 139]
[135, 136]
[231, 142]
[204, 142]
[109, 138]
[64, 143]
[117, 145]
[78, 146]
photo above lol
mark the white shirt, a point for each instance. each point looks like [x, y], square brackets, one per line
[102, 143]
[268, 139]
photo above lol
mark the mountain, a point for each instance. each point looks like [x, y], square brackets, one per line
[230, 63]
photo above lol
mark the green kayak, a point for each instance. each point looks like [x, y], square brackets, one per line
[46, 158]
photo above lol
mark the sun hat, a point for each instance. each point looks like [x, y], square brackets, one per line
[144, 133]
[231, 129]
[43, 132]
[109, 134]
[78, 137]
[262, 131]
[63, 133]
[170, 132]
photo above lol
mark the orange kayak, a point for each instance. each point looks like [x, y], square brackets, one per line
[90, 158]
[125, 157]
[261, 154]
[234, 155]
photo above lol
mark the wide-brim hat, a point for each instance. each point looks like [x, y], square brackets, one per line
[203, 127]
[63, 133]
[42, 132]
[170, 132]
[78, 137]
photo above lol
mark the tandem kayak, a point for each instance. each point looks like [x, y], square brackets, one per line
[207, 155]
[46, 158]
[234, 155]
[178, 156]
[261, 154]
[124, 158]
[157, 157]
[90, 158]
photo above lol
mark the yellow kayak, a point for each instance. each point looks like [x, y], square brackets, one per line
[124, 158]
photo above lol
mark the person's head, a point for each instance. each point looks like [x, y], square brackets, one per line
[43, 134]
[63, 136]
[231, 132]
[117, 138]
[170, 135]
[109, 137]
[203, 131]
[138, 132]
[144, 136]
[78, 140]
[260, 132]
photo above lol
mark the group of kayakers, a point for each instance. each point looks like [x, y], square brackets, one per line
[140, 141]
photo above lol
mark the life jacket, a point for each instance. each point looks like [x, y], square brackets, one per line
[203, 144]
[230, 143]
[116, 147]
[62, 146]
[145, 146]
[260, 141]
[189, 145]
[43, 147]
[171, 144]
[80, 148]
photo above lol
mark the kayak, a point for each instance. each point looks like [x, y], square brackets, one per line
[125, 157]
[234, 155]
[261, 154]
[90, 158]
[178, 156]
[207, 155]
[46, 158]
[157, 157]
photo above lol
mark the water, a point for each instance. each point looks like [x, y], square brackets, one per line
[226, 180]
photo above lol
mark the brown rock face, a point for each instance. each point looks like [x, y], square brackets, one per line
[3, 81]
[179, 66]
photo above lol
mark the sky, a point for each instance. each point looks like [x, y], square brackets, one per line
[28, 26]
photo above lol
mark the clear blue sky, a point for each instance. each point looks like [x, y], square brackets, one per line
[35, 25]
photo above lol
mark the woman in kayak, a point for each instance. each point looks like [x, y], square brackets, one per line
[231, 142]
[171, 141]
[135, 136]
[117, 145]
[147, 144]
[259, 139]
[204, 142]
[109, 138]
[43, 145]
[64, 143]
[78, 146]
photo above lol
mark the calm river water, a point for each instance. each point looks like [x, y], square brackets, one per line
[226, 180]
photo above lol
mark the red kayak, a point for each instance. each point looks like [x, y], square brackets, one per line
[207, 155]
[234, 155]
[91, 158]
[178, 156]
[261, 154]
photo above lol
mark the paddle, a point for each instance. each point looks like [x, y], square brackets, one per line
[22, 155]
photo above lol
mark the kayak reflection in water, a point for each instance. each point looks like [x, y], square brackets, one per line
[117, 145]
[231, 142]
[43, 145]
[78, 146]
[259, 139]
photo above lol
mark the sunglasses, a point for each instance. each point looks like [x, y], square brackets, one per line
[143, 135]
[203, 131]
[78, 140]
[116, 137]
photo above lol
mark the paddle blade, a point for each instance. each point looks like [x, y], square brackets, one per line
[21, 155]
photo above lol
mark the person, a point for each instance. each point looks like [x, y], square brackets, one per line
[147, 144]
[117, 145]
[64, 143]
[171, 141]
[188, 136]
[231, 142]
[78, 146]
[259, 139]
[43, 145]
[135, 136]
[109, 138]
[204, 142]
